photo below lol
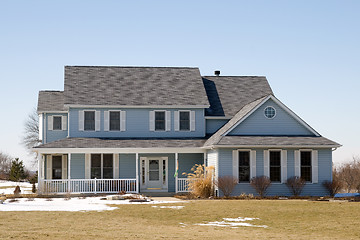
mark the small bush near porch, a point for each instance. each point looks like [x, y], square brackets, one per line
[286, 219]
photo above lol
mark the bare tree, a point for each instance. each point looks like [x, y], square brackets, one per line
[348, 175]
[31, 132]
[5, 165]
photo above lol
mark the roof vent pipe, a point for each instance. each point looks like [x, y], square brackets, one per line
[217, 73]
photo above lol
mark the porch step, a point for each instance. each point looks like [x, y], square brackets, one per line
[158, 194]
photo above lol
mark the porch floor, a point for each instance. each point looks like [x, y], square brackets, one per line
[158, 194]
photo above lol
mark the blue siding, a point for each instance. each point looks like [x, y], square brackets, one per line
[53, 135]
[77, 169]
[281, 124]
[212, 125]
[127, 165]
[187, 161]
[278, 189]
[137, 125]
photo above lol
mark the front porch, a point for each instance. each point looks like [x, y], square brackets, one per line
[95, 172]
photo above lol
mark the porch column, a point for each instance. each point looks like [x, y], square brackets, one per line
[69, 166]
[40, 158]
[176, 173]
[137, 172]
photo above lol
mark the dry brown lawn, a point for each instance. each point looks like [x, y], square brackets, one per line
[286, 219]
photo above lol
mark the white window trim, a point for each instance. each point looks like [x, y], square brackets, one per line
[57, 130]
[189, 111]
[312, 152]
[252, 164]
[119, 111]
[269, 106]
[89, 110]
[276, 150]
[164, 111]
[102, 164]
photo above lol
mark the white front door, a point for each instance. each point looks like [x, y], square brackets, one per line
[153, 173]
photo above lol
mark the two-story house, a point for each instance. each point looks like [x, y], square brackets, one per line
[129, 129]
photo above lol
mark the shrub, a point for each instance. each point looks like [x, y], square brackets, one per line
[17, 191]
[261, 184]
[33, 189]
[226, 184]
[335, 185]
[296, 185]
[201, 182]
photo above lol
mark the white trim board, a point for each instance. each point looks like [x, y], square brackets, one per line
[120, 150]
[283, 106]
[136, 106]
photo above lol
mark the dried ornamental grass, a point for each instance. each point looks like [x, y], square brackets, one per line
[201, 181]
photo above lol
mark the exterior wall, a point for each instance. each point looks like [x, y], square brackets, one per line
[281, 124]
[137, 125]
[77, 169]
[187, 161]
[279, 189]
[127, 166]
[212, 125]
[53, 135]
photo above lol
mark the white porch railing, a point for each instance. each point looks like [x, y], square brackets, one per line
[183, 185]
[88, 186]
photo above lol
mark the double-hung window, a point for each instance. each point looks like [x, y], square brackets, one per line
[102, 166]
[184, 120]
[114, 121]
[56, 167]
[57, 123]
[89, 120]
[275, 166]
[160, 121]
[306, 168]
[244, 166]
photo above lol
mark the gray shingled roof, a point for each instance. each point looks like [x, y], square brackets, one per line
[217, 136]
[123, 143]
[276, 141]
[134, 86]
[51, 101]
[228, 94]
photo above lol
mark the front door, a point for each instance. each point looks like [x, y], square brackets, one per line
[153, 174]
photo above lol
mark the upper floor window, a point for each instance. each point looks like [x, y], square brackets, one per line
[244, 166]
[275, 166]
[184, 119]
[115, 121]
[57, 122]
[89, 120]
[270, 112]
[306, 168]
[160, 121]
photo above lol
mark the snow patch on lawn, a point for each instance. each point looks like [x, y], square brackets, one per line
[71, 205]
[171, 207]
[8, 187]
[233, 223]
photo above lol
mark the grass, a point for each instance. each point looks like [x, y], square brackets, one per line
[286, 219]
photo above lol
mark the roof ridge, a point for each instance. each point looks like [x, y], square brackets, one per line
[51, 91]
[253, 76]
[98, 66]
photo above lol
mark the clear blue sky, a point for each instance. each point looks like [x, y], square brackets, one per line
[308, 50]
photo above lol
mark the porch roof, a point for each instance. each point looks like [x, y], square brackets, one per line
[274, 141]
[124, 143]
